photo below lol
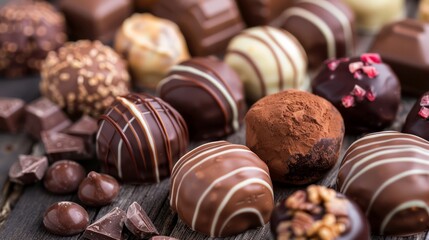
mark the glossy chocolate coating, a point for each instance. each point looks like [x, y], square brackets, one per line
[139, 223]
[214, 106]
[64, 177]
[325, 28]
[386, 174]
[95, 19]
[108, 227]
[28, 31]
[98, 189]
[409, 63]
[417, 122]
[207, 25]
[28, 169]
[366, 114]
[65, 219]
[140, 138]
[221, 189]
[60, 146]
[11, 114]
[261, 12]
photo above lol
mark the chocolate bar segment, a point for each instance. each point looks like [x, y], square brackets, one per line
[11, 114]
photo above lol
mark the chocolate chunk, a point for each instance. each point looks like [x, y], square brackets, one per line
[28, 169]
[98, 189]
[11, 114]
[109, 227]
[163, 238]
[44, 115]
[65, 218]
[139, 223]
[64, 177]
[85, 128]
[60, 146]
[261, 12]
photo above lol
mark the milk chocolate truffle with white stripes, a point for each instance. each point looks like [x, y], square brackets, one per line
[208, 94]
[140, 138]
[84, 77]
[386, 174]
[221, 189]
[364, 90]
[268, 60]
[324, 27]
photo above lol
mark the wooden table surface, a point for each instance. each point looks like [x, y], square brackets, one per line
[22, 208]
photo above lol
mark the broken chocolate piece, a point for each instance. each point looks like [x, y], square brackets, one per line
[28, 169]
[60, 146]
[85, 128]
[11, 114]
[139, 223]
[109, 227]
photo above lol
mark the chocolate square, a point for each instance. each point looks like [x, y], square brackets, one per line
[11, 114]
[60, 146]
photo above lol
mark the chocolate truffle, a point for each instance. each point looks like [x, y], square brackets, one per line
[139, 139]
[109, 227]
[64, 177]
[214, 104]
[297, 134]
[28, 31]
[410, 63]
[98, 189]
[386, 174]
[261, 12]
[364, 90]
[139, 223]
[325, 28]
[221, 189]
[417, 122]
[318, 213]
[43, 115]
[28, 169]
[84, 77]
[11, 114]
[65, 218]
[60, 146]
[372, 15]
[268, 60]
[95, 19]
[208, 25]
[152, 46]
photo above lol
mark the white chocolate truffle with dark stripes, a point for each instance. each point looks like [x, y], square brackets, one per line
[139, 139]
[268, 60]
[208, 94]
[387, 175]
[325, 28]
[221, 189]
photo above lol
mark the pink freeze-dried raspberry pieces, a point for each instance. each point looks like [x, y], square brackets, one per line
[424, 102]
[371, 58]
[359, 92]
[370, 71]
[424, 112]
[357, 75]
[348, 101]
[370, 96]
[353, 67]
[332, 65]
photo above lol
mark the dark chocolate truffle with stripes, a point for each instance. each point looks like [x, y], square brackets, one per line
[139, 139]
[268, 60]
[221, 189]
[326, 28]
[387, 175]
[208, 94]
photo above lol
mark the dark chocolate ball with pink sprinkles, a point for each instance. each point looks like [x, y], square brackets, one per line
[364, 89]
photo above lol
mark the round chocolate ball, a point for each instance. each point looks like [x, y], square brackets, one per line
[65, 218]
[325, 28]
[364, 90]
[64, 177]
[298, 134]
[84, 77]
[386, 174]
[208, 94]
[28, 31]
[318, 213]
[268, 60]
[221, 189]
[139, 139]
[98, 189]
[417, 122]
[152, 46]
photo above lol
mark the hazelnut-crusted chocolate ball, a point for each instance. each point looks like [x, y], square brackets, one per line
[84, 77]
[28, 31]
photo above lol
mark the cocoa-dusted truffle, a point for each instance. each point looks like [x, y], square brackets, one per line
[208, 94]
[417, 122]
[221, 189]
[325, 28]
[84, 77]
[152, 46]
[297, 134]
[364, 90]
[28, 31]
[268, 60]
[318, 213]
[261, 12]
[139, 139]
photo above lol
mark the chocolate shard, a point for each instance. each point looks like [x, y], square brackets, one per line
[163, 238]
[44, 115]
[139, 223]
[60, 146]
[28, 169]
[109, 227]
[11, 114]
[85, 128]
